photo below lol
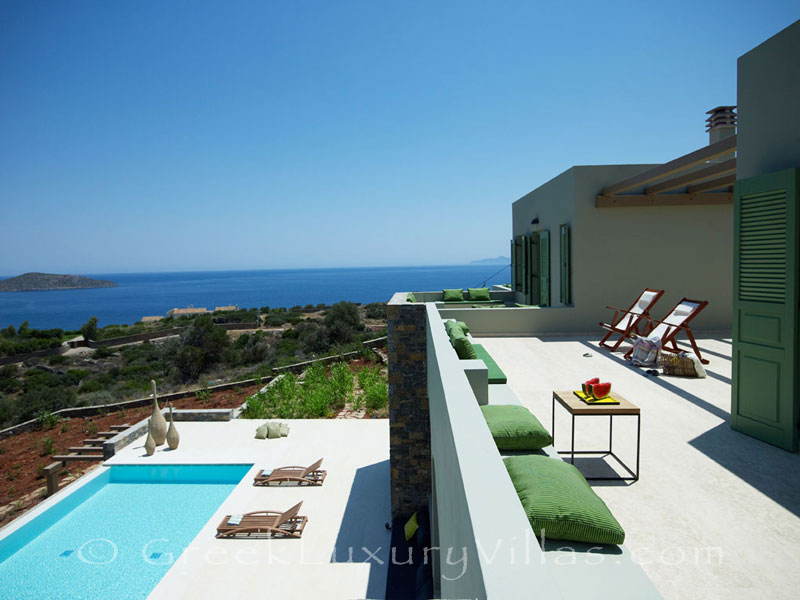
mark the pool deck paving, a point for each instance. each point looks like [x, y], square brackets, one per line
[344, 549]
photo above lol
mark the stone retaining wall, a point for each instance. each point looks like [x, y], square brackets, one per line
[134, 432]
[409, 420]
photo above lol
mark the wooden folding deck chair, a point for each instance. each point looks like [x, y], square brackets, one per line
[670, 326]
[311, 475]
[265, 523]
[626, 322]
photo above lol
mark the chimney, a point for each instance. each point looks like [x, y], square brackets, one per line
[721, 123]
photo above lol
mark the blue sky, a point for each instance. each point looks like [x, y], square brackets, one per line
[161, 136]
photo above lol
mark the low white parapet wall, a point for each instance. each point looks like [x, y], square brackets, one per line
[486, 547]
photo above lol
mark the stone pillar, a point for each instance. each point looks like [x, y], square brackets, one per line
[409, 421]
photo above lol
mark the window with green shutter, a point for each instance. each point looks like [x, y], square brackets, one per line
[544, 268]
[566, 274]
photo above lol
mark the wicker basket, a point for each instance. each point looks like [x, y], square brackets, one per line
[677, 364]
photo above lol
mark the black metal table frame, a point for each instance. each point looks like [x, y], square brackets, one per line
[634, 475]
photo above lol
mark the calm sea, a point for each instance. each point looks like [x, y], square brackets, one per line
[141, 294]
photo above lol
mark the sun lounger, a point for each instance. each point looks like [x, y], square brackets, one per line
[675, 322]
[311, 475]
[264, 523]
[626, 322]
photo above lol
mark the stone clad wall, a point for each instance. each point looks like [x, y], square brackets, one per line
[409, 421]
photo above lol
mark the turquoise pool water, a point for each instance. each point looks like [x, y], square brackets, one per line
[116, 536]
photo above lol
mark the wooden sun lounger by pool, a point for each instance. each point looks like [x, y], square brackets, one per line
[311, 475]
[265, 523]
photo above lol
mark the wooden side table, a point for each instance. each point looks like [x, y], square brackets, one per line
[577, 407]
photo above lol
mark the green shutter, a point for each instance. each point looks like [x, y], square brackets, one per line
[518, 263]
[544, 268]
[764, 400]
[526, 288]
[566, 291]
[533, 269]
[513, 256]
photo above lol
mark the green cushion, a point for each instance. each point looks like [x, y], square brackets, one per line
[463, 346]
[559, 503]
[452, 295]
[495, 374]
[469, 303]
[479, 294]
[514, 427]
[410, 297]
[452, 327]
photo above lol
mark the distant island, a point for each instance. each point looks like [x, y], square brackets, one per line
[35, 282]
[500, 260]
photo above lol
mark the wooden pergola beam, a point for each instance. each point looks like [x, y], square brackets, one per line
[723, 168]
[714, 184]
[710, 152]
[664, 200]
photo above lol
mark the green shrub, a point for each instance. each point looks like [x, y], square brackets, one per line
[375, 310]
[58, 359]
[341, 384]
[89, 329]
[374, 388]
[102, 352]
[47, 420]
[47, 447]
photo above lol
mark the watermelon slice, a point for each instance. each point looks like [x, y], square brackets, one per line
[600, 390]
[586, 386]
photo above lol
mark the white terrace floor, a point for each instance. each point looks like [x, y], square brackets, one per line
[348, 511]
[716, 514]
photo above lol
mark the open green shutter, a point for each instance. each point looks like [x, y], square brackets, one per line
[544, 268]
[513, 256]
[533, 269]
[764, 400]
[566, 292]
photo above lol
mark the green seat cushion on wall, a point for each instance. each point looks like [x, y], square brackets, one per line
[452, 295]
[559, 503]
[514, 427]
[496, 375]
[452, 327]
[463, 346]
[479, 294]
[410, 297]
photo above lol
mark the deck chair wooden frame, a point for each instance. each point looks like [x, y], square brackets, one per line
[671, 325]
[265, 523]
[626, 322]
[311, 475]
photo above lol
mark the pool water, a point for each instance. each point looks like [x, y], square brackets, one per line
[116, 536]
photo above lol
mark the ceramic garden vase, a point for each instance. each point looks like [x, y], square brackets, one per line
[173, 439]
[150, 443]
[158, 424]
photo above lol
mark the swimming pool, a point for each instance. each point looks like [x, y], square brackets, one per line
[116, 536]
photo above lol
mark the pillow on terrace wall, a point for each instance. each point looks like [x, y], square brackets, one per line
[463, 346]
[410, 297]
[452, 295]
[261, 432]
[452, 327]
[479, 294]
[559, 503]
[274, 430]
[514, 427]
